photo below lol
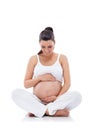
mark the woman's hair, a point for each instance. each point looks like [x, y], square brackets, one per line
[46, 34]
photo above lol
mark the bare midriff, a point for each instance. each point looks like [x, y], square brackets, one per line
[47, 88]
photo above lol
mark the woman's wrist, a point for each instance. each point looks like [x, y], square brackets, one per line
[38, 79]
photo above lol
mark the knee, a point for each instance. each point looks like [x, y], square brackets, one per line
[77, 96]
[16, 93]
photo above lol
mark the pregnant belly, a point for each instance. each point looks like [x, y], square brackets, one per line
[46, 89]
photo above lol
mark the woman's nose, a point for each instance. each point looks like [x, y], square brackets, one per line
[46, 50]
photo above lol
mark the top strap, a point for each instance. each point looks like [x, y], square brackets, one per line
[58, 57]
[38, 58]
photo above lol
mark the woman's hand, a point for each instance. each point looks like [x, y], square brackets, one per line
[47, 77]
[49, 99]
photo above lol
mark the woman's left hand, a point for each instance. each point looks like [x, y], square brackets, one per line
[49, 99]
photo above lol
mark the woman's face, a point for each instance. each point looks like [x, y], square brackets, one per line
[47, 47]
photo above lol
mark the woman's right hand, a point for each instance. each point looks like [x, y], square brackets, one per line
[47, 77]
[49, 99]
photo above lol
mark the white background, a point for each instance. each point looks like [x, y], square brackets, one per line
[73, 22]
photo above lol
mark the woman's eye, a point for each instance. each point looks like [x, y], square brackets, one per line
[49, 46]
[43, 46]
[46, 47]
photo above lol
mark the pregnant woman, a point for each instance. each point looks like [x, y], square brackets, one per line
[48, 74]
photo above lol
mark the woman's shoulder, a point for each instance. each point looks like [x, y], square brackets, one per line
[33, 59]
[63, 58]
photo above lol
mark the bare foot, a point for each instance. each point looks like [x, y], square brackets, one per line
[30, 115]
[63, 112]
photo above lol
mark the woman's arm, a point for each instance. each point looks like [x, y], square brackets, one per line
[41, 78]
[28, 80]
[66, 74]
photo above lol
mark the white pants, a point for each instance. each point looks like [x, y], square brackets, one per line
[30, 103]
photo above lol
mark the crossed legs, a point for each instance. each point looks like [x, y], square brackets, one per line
[35, 107]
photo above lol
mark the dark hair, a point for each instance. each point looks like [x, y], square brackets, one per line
[46, 34]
